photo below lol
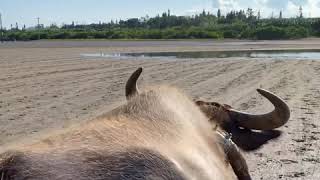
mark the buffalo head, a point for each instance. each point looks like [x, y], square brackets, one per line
[249, 131]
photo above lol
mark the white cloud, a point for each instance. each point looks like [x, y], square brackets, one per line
[290, 8]
[206, 5]
[314, 8]
[309, 8]
[299, 2]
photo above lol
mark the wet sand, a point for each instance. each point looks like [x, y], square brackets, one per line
[48, 85]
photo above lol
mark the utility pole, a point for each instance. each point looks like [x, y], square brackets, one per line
[38, 28]
[1, 29]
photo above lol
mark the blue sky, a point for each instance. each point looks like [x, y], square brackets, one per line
[88, 11]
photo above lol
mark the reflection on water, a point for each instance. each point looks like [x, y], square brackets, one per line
[280, 54]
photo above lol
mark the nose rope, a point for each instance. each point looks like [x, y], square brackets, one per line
[234, 157]
[227, 142]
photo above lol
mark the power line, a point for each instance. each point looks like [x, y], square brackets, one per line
[38, 28]
[1, 29]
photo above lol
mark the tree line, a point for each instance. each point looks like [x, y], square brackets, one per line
[242, 24]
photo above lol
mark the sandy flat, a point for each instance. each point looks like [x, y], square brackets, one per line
[49, 85]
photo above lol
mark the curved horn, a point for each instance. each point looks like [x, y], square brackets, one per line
[131, 86]
[277, 118]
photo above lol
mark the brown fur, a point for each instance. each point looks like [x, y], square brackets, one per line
[159, 134]
[246, 139]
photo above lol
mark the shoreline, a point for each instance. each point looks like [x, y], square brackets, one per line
[213, 45]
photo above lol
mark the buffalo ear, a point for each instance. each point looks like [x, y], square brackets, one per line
[249, 140]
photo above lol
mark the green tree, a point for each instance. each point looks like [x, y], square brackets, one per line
[219, 13]
[300, 12]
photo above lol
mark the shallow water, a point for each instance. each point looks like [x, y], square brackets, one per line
[279, 54]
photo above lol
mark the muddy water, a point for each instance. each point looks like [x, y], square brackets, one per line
[283, 54]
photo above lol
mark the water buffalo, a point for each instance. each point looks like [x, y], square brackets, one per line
[158, 134]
